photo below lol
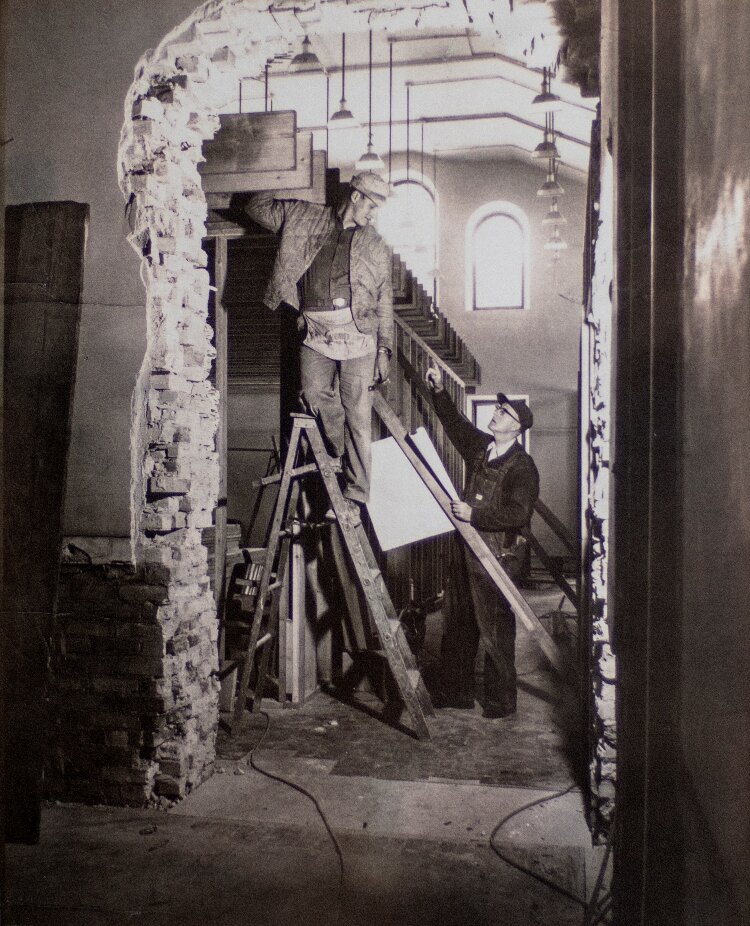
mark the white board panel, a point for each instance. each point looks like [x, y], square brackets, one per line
[401, 507]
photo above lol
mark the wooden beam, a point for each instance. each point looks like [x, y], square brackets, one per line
[44, 259]
[298, 177]
[220, 337]
[249, 143]
[474, 541]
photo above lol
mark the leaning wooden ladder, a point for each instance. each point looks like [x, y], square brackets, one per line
[393, 643]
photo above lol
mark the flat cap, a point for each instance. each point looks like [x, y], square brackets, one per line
[372, 185]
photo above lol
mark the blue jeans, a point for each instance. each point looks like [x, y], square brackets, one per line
[337, 393]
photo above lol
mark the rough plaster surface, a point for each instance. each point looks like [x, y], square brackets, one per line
[716, 458]
[603, 732]
[170, 109]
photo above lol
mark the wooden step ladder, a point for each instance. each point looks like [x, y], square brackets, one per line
[392, 640]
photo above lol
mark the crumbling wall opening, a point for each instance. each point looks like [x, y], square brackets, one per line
[170, 110]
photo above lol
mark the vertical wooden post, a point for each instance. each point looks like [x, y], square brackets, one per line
[44, 252]
[220, 336]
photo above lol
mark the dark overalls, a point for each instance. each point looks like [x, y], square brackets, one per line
[502, 493]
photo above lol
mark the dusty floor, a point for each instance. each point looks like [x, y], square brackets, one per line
[413, 822]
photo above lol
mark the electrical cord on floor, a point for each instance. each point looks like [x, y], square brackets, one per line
[311, 797]
[597, 908]
[522, 868]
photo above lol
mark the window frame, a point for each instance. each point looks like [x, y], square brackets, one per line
[485, 212]
[398, 178]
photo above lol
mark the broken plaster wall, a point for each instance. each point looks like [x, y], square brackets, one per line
[602, 661]
[135, 657]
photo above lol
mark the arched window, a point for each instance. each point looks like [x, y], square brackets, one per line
[497, 261]
[408, 222]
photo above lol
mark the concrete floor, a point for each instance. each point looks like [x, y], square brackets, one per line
[414, 831]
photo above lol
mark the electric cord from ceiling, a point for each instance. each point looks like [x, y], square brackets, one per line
[295, 787]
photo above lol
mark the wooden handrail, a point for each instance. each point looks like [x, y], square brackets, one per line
[557, 527]
[434, 356]
[554, 570]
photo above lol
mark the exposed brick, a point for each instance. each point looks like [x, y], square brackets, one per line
[138, 593]
[166, 786]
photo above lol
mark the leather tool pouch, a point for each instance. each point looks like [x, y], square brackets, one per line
[514, 554]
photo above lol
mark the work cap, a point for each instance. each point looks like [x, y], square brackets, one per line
[521, 409]
[372, 185]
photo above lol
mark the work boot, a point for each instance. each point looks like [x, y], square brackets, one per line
[496, 709]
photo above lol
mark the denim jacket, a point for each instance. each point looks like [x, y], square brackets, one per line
[304, 227]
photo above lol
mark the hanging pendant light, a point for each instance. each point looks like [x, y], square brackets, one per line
[343, 118]
[551, 187]
[546, 101]
[554, 216]
[547, 148]
[370, 160]
[306, 60]
[556, 243]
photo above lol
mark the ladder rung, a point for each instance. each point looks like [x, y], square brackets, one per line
[228, 668]
[263, 640]
[274, 585]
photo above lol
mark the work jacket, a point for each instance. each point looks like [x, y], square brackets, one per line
[502, 492]
[304, 228]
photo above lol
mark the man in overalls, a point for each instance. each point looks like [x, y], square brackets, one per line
[336, 271]
[502, 486]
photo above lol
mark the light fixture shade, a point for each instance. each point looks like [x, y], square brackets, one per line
[554, 216]
[550, 187]
[555, 243]
[370, 160]
[546, 102]
[343, 117]
[306, 60]
[546, 149]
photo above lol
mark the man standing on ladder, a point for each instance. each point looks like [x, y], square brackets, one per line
[502, 486]
[336, 271]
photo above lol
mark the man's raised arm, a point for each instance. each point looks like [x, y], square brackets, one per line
[463, 435]
[267, 211]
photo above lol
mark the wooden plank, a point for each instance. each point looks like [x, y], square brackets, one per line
[389, 629]
[44, 249]
[297, 178]
[315, 192]
[474, 541]
[220, 515]
[354, 629]
[250, 143]
[305, 668]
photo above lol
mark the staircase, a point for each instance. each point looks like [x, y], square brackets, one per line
[416, 314]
